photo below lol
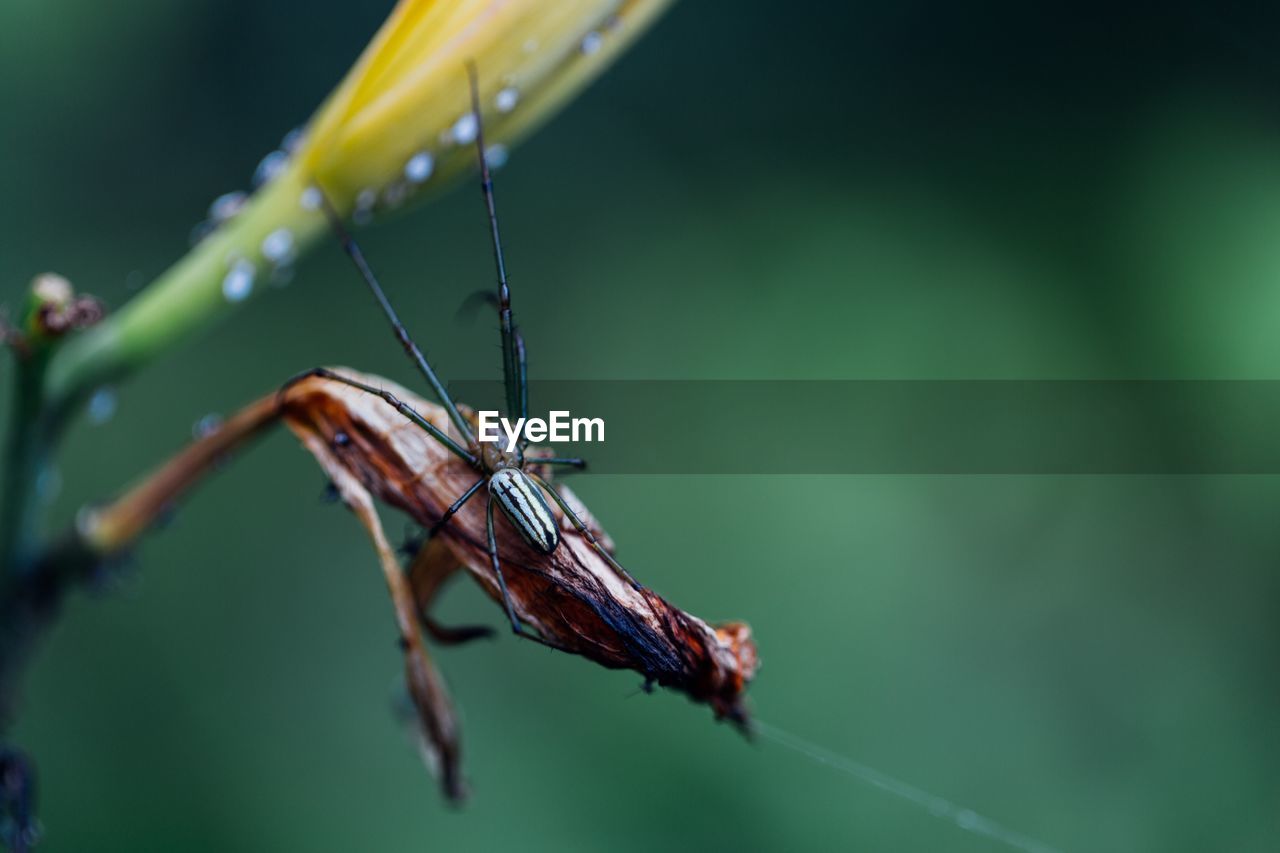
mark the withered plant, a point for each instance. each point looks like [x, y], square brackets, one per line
[396, 129]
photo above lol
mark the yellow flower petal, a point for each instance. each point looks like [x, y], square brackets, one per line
[399, 124]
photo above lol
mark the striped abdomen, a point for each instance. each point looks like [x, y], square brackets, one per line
[522, 503]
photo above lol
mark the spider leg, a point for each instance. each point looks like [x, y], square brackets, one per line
[497, 569]
[517, 627]
[411, 349]
[392, 400]
[514, 369]
[590, 537]
[454, 507]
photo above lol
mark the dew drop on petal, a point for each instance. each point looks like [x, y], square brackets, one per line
[269, 167]
[86, 519]
[591, 43]
[282, 275]
[227, 205]
[506, 99]
[365, 201]
[419, 167]
[496, 155]
[395, 194]
[311, 198]
[291, 140]
[102, 406]
[277, 247]
[238, 282]
[464, 129]
[207, 425]
[202, 229]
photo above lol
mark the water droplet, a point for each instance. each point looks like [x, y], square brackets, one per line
[282, 275]
[227, 205]
[291, 140]
[464, 129]
[363, 214]
[419, 167]
[277, 247]
[496, 155]
[591, 43]
[269, 167]
[967, 820]
[394, 195]
[311, 198]
[33, 834]
[49, 484]
[202, 229]
[506, 99]
[102, 406]
[207, 425]
[238, 283]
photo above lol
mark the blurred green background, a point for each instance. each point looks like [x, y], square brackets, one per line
[896, 190]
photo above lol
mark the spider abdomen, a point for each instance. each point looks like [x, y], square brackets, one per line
[524, 506]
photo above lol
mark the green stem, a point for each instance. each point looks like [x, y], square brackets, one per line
[26, 454]
[55, 377]
[186, 298]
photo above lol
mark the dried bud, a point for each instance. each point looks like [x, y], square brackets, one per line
[52, 289]
[53, 309]
[572, 598]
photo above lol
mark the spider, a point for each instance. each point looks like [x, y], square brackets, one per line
[504, 475]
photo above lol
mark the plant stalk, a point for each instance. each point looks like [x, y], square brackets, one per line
[26, 454]
[53, 379]
[188, 297]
